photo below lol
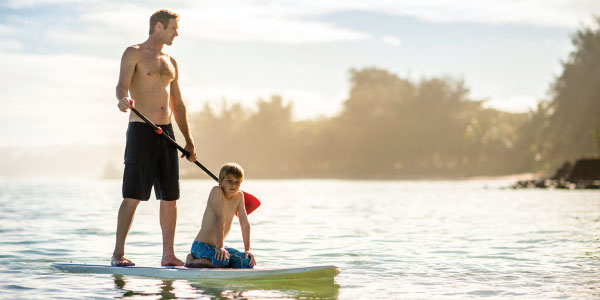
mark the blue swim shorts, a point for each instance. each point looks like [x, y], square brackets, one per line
[236, 258]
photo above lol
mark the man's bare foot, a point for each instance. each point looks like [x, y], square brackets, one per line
[120, 262]
[171, 262]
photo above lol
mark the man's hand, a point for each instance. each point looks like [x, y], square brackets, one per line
[221, 254]
[191, 149]
[252, 262]
[125, 103]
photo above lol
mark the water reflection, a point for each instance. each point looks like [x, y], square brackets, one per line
[164, 289]
[273, 289]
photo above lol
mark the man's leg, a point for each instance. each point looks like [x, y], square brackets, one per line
[124, 220]
[168, 220]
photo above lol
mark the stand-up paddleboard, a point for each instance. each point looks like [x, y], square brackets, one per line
[313, 272]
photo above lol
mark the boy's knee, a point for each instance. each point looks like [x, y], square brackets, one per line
[219, 263]
[239, 262]
[245, 264]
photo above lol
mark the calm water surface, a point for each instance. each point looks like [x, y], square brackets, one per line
[392, 240]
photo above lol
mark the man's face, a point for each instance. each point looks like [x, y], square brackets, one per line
[170, 32]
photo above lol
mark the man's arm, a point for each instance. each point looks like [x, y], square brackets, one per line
[245, 224]
[128, 62]
[216, 205]
[180, 114]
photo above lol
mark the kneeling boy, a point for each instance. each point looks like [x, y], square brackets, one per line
[223, 203]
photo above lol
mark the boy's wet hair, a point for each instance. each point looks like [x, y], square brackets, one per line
[231, 169]
[163, 16]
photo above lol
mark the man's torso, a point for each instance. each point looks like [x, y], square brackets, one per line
[150, 84]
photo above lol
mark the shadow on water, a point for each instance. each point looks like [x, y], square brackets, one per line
[256, 289]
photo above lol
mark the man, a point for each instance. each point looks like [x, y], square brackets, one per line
[150, 78]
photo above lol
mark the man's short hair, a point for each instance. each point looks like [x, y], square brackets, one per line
[231, 169]
[163, 16]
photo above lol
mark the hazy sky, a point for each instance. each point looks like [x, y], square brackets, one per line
[60, 59]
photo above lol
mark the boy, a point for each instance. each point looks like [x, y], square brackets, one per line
[223, 203]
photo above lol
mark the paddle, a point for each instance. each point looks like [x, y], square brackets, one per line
[250, 201]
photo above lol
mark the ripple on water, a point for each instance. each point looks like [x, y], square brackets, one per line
[17, 287]
[498, 257]
[486, 292]
[55, 252]
[449, 252]
[23, 242]
[92, 231]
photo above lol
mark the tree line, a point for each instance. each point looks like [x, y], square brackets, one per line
[394, 127]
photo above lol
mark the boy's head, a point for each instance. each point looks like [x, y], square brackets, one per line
[230, 178]
[232, 169]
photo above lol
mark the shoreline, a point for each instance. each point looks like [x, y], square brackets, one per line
[511, 177]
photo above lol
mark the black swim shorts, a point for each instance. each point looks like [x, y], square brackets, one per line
[150, 161]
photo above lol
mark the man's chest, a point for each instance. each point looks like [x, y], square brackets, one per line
[150, 65]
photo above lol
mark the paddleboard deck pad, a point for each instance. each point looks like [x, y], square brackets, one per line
[313, 272]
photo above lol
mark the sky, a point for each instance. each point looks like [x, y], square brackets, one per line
[59, 60]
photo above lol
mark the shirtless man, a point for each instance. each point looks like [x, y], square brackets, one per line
[223, 203]
[150, 78]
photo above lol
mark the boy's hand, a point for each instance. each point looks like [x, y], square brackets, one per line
[221, 254]
[252, 262]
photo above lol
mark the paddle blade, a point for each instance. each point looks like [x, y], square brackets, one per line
[251, 203]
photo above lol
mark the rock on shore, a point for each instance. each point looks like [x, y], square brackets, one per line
[584, 174]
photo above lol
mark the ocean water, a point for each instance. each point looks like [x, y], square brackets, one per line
[391, 239]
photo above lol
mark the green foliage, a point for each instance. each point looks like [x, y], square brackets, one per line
[567, 123]
[257, 140]
[392, 127]
[389, 127]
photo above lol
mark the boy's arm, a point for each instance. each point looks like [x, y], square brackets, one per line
[245, 224]
[216, 204]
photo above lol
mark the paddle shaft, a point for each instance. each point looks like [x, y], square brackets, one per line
[251, 203]
[173, 142]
